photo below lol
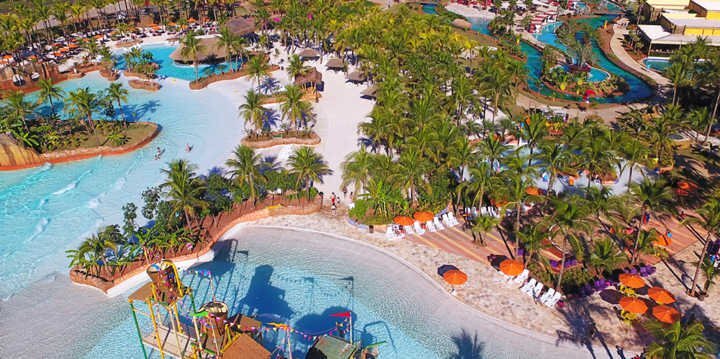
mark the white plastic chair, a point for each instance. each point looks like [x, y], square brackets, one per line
[553, 300]
[430, 226]
[438, 225]
[529, 286]
[453, 220]
[520, 279]
[418, 228]
[408, 230]
[537, 290]
[483, 211]
[545, 297]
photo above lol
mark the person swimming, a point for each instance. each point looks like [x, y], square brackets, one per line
[158, 153]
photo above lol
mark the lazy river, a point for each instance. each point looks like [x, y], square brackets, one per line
[638, 88]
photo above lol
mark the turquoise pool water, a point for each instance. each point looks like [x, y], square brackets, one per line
[47, 210]
[301, 278]
[659, 64]
[170, 68]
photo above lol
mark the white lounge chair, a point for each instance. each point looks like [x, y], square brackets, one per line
[537, 290]
[446, 220]
[503, 278]
[453, 220]
[553, 300]
[408, 230]
[430, 226]
[438, 225]
[475, 211]
[520, 279]
[418, 228]
[545, 297]
[529, 286]
[390, 233]
[483, 211]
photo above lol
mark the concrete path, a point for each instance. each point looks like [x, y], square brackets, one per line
[619, 51]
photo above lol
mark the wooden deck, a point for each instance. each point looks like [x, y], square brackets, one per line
[170, 345]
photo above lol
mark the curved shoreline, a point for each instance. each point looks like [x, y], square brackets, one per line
[511, 327]
[57, 157]
[313, 140]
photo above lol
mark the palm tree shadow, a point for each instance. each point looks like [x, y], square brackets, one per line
[467, 346]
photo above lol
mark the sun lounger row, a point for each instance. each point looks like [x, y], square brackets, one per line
[437, 224]
[532, 288]
[484, 211]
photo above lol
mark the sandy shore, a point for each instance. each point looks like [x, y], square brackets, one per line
[467, 11]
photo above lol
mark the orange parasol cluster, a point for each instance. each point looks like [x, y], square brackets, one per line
[511, 267]
[424, 216]
[533, 191]
[455, 277]
[403, 220]
[632, 280]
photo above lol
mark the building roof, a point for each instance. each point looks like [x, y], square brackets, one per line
[309, 54]
[312, 76]
[709, 5]
[209, 50]
[653, 32]
[698, 22]
[335, 63]
[244, 347]
[241, 26]
[668, 3]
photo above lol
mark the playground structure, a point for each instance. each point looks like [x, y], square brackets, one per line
[213, 334]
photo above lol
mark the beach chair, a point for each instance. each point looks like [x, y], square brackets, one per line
[491, 211]
[453, 220]
[445, 220]
[475, 211]
[438, 225]
[545, 297]
[483, 211]
[553, 300]
[418, 228]
[430, 226]
[537, 290]
[408, 230]
[503, 278]
[520, 279]
[390, 233]
[529, 286]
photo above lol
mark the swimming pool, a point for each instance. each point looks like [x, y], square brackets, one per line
[169, 68]
[299, 278]
[47, 210]
[659, 64]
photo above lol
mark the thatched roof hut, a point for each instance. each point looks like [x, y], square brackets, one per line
[462, 24]
[310, 78]
[241, 26]
[369, 92]
[335, 64]
[308, 54]
[357, 76]
[210, 51]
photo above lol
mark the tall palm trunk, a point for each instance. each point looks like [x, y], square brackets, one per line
[562, 264]
[700, 263]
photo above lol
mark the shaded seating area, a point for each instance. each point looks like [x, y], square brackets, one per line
[335, 64]
[309, 54]
[357, 77]
[310, 79]
[241, 26]
[370, 92]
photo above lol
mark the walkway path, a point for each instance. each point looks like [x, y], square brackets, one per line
[619, 51]
[609, 113]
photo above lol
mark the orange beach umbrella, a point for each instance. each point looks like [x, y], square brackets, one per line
[511, 267]
[403, 220]
[662, 240]
[632, 280]
[424, 216]
[660, 295]
[633, 305]
[666, 314]
[533, 191]
[455, 277]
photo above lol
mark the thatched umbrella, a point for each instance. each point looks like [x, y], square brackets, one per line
[357, 76]
[462, 24]
[335, 64]
[308, 54]
[311, 78]
[369, 92]
[241, 26]
[210, 50]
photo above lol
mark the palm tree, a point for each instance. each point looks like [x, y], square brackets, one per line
[308, 166]
[245, 169]
[227, 40]
[191, 47]
[118, 94]
[49, 92]
[653, 197]
[484, 224]
[257, 68]
[555, 157]
[294, 108]
[634, 152]
[252, 111]
[82, 102]
[356, 170]
[532, 239]
[533, 131]
[569, 221]
[709, 219]
[19, 108]
[184, 189]
[605, 256]
[295, 67]
[682, 339]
